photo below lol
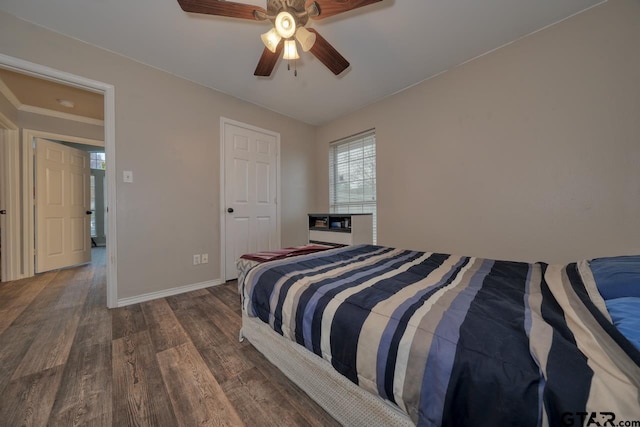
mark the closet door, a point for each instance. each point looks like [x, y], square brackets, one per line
[251, 193]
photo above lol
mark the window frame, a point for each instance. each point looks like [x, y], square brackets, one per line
[369, 142]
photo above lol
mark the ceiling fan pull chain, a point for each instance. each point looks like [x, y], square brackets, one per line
[295, 67]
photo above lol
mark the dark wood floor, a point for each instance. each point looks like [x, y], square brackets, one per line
[65, 359]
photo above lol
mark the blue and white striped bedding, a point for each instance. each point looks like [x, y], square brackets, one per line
[455, 340]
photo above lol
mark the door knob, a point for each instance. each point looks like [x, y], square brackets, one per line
[3, 212]
[89, 212]
[230, 210]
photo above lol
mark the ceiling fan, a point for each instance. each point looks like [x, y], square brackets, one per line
[289, 18]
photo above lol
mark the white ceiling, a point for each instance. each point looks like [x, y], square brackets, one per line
[391, 45]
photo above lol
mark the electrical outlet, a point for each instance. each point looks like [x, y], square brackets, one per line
[205, 258]
[196, 259]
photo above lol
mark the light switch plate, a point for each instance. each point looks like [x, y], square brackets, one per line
[127, 176]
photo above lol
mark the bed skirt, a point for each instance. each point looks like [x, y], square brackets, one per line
[346, 402]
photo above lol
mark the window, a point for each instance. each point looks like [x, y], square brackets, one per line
[352, 176]
[97, 161]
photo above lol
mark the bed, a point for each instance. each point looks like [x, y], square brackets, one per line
[385, 336]
[247, 261]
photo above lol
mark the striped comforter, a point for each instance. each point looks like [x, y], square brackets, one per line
[455, 340]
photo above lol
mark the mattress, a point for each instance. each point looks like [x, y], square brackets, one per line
[346, 402]
[453, 340]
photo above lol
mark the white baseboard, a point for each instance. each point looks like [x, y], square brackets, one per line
[167, 292]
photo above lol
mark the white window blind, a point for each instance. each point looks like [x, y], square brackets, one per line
[352, 176]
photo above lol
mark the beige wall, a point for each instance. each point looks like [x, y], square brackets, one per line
[8, 110]
[60, 126]
[531, 152]
[167, 133]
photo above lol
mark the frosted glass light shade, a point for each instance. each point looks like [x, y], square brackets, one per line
[290, 50]
[271, 39]
[285, 25]
[306, 38]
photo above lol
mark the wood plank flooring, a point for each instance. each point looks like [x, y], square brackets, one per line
[66, 360]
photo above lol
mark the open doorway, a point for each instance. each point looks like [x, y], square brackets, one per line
[52, 116]
[25, 147]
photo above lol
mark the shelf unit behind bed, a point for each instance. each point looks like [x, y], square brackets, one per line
[341, 229]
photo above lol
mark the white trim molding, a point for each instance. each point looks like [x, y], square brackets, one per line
[65, 138]
[168, 292]
[60, 115]
[108, 92]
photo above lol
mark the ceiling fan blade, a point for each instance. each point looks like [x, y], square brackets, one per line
[328, 55]
[223, 8]
[333, 7]
[268, 61]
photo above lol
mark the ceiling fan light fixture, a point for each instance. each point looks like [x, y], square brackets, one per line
[290, 50]
[306, 38]
[271, 39]
[285, 24]
[289, 17]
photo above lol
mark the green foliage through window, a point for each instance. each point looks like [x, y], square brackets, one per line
[97, 161]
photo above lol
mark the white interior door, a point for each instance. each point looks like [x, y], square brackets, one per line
[3, 212]
[62, 206]
[10, 189]
[251, 193]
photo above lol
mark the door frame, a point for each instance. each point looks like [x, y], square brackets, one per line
[222, 211]
[11, 268]
[108, 92]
